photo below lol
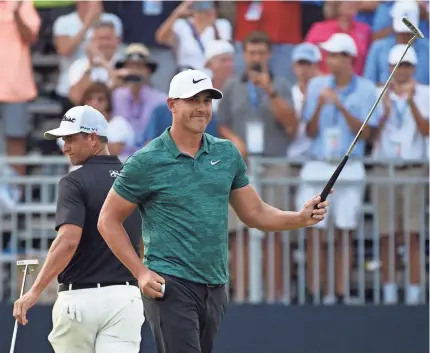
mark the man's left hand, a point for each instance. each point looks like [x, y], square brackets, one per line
[23, 304]
[311, 215]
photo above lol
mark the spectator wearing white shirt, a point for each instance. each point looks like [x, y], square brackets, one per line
[306, 58]
[402, 135]
[120, 134]
[219, 63]
[103, 52]
[190, 29]
[71, 33]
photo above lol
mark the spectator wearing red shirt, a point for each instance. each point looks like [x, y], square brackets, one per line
[341, 19]
[281, 21]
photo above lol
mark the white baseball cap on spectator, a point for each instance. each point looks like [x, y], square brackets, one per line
[340, 43]
[306, 52]
[188, 83]
[80, 119]
[218, 47]
[397, 51]
[409, 9]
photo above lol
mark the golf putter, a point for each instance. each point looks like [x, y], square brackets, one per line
[27, 266]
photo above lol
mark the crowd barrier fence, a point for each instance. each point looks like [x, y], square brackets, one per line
[266, 267]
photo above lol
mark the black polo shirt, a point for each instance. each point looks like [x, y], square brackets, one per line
[81, 196]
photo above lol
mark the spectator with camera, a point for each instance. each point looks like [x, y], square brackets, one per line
[134, 98]
[402, 135]
[103, 52]
[72, 33]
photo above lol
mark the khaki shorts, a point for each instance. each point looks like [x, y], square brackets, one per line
[107, 320]
[382, 201]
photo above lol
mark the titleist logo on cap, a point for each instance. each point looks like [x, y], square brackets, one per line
[69, 119]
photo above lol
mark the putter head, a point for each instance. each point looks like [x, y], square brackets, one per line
[30, 264]
[412, 28]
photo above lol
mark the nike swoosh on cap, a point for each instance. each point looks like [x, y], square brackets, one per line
[197, 81]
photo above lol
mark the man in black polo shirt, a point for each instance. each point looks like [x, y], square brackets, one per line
[99, 306]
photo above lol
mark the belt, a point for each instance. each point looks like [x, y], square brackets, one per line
[214, 285]
[75, 286]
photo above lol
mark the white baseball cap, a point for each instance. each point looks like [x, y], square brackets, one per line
[340, 43]
[408, 9]
[80, 119]
[188, 83]
[218, 47]
[397, 51]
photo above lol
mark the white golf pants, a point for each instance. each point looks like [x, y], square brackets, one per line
[98, 320]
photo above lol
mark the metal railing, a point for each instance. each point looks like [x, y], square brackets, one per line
[264, 267]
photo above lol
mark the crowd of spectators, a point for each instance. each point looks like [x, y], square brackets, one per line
[298, 79]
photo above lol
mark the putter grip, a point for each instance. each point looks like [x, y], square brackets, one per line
[333, 179]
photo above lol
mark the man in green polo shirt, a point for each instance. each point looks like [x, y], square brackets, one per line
[182, 183]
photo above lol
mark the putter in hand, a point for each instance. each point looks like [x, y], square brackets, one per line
[417, 34]
[27, 267]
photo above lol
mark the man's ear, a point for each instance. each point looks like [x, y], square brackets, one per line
[171, 104]
[94, 139]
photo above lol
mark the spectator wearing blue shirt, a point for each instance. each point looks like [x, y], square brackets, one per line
[382, 26]
[335, 107]
[161, 119]
[376, 68]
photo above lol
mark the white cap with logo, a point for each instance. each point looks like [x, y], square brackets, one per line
[80, 119]
[340, 43]
[397, 51]
[187, 84]
[408, 9]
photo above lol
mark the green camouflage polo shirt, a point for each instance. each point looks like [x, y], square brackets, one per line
[183, 202]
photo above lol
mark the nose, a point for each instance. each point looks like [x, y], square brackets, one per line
[65, 148]
[201, 107]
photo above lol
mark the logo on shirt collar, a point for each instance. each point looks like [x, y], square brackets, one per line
[69, 119]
